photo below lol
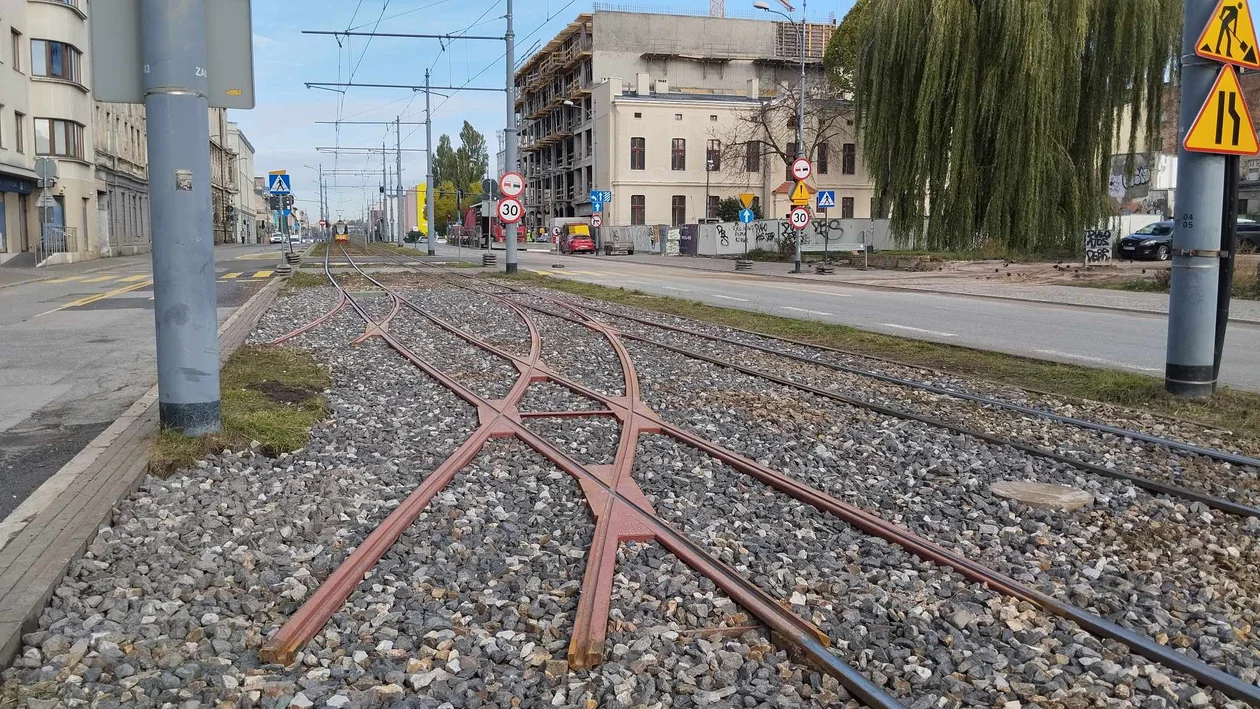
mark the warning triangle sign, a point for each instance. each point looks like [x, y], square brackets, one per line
[800, 194]
[1230, 35]
[1224, 124]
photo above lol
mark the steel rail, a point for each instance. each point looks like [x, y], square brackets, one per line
[1214, 453]
[341, 303]
[498, 419]
[875, 525]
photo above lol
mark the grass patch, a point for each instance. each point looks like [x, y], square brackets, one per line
[1230, 409]
[305, 280]
[271, 395]
[1246, 285]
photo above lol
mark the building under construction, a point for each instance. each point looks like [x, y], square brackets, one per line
[691, 55]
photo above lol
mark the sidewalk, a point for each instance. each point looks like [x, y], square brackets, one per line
[1245, 311]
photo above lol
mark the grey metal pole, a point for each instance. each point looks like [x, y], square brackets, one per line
[431, 193]
[184, 305]
[398, 188]
[800, 125]
[386, 227]
[509, 132]
[1197, 231]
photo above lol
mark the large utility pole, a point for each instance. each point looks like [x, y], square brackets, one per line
[1197, 230]
[431, 192]
[398, 187]
[509, 133]
[184, 298]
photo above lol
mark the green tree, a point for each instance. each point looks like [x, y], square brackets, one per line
[840, 59]
[1004, 113]
[464, 165]
[728, 209]
[444, 207]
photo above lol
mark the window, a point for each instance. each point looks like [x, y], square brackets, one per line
[678, 155]
[846, 207]
[58, 137]
[17, 50]
[679, 209]
[713, 155]
[713, 118]
[678, 116]
[56, 60]
[638, 209]
[822, 159]
[848, 160]
[19, 135]
[638, 114]
[638, 153]
[752, 156]
[711, 212]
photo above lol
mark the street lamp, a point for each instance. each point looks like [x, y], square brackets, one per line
[800, 104]
[708, 170]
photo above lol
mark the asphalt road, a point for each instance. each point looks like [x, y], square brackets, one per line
[76, 351]
[1076, 335]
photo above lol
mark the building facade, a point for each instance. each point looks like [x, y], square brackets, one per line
[55, 51]
[265, 220]
[122, 179]
[18, 221]
[659, 109]
[245, 218]
[223, 179]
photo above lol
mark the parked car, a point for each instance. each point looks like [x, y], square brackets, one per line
[576, 238]
[1247, 239]
[1153, 241]
[277, 238]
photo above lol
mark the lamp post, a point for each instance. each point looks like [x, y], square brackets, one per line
[800, 103]
[708, 171]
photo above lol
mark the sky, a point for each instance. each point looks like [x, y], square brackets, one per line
[282, 126]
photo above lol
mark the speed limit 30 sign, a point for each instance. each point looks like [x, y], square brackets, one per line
[799, 218]
[510, 210]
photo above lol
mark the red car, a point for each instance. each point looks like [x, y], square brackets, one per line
[576, 238]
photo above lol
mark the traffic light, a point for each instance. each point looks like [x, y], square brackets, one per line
[275, 203]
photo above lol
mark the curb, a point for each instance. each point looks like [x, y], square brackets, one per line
[904, 289]
[39, 541]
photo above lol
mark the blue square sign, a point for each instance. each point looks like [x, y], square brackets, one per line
[278, 184]
[826, 199]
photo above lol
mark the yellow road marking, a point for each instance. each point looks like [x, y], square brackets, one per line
[100, 296]
[231, 275]
[545, 273]
[263, 274]
[100, 279]
[134, 279]
[64, 279]
[262, 255]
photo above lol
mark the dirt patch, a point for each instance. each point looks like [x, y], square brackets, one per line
[283, 393]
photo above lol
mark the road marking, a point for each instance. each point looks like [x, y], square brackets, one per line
[803, 310]
[730, 297]
[231, 275]
[807, 290]
[64, 279]
[919, 329]
[100, 296]
[1099, 360]
[261, 256]
[540, 271]
[263, 274]
[100, 279]
[134, 279]
[680, 290]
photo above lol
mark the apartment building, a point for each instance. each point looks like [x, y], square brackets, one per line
[122, 179]
[17, 153]
[224, 178]
[245, 222]
[265, 220]
[655, 107]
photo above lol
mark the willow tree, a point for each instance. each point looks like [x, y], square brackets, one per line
[996, 119]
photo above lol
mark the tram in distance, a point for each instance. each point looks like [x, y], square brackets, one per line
[341, 234]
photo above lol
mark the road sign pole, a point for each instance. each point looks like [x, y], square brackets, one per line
[1197, 233]
[431, 195]
[184, 301]
[509, 132]
[1229, 229]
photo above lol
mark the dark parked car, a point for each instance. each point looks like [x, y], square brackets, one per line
[1153, 241]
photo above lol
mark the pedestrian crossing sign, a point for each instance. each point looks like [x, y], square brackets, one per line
[826, 199]
[1230, 36]
[278, 183]
[1224, 124]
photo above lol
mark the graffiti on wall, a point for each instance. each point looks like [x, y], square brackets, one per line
[1097, 247]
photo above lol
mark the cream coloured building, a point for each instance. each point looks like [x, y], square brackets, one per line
[244, 216]
[122, 179]
[19, 228]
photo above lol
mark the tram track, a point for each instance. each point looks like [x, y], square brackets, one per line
[636, 420]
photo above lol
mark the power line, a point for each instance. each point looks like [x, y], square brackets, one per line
[403, 13]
